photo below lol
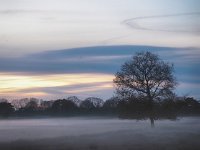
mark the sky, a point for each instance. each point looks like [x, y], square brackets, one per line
[58, 48]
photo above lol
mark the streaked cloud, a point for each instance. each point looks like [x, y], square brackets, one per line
[158, 20]
[187, 88]
[57, 84]
[19, 11]
[101, 59]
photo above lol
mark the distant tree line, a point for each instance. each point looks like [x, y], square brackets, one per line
[167, 108]
[135, 107]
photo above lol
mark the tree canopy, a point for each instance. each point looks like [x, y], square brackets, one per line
[6, 109]
[145, 75]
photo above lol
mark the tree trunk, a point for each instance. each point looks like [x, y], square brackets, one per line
[152, 122]
[150, 102]
[151, 111]
[149, 97]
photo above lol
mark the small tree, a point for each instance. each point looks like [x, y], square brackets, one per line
[63, 107]
[145, 75]
[6, 109]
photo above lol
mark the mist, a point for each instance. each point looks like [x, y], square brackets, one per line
[99, 133]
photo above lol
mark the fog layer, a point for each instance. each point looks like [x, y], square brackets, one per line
[99, 133]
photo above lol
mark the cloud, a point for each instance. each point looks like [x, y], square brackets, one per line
[19, 11]
[187, 88]
[58, 85]
[134, 23]
[70, 89]
[28, 11]
[100, 59]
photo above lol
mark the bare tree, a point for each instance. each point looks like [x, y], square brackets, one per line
[145, 75]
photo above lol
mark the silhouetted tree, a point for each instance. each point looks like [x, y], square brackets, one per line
[6, 109]
[111, 103]
[31, 106]
[92, 103]
[87, 104]
[63, 106]
[145, 75]
[187, 105]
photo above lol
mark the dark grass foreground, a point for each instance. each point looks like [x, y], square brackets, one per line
[111, 141]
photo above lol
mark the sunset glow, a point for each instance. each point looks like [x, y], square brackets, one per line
[14, 85]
